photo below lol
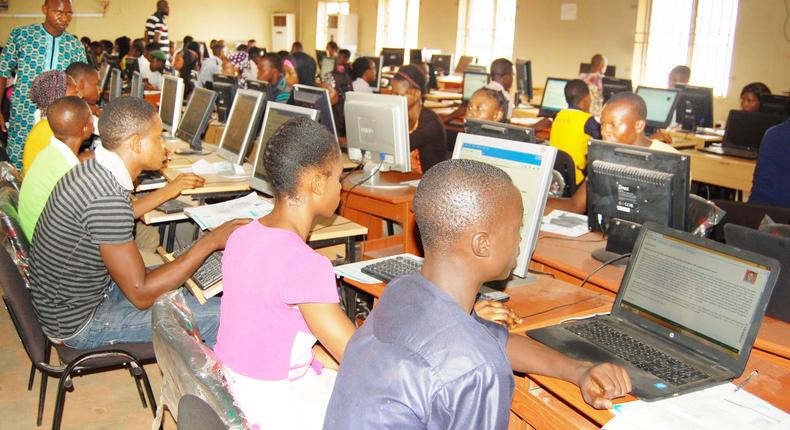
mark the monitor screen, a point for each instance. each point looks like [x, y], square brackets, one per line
[104, 73]
[553, 97]
[378, 125]
[464, 62]
[530, 167]
[775, 104]
[612, 86]
[167, 102]
[137, 86]
[524, 78]
[499, 130]
[318, 99]
[116, 84]
[239, 123]
[378, 61]
[327, 67]
[415, 56]
[442, 63]
[660, 105]
[392, 57]
[196, 115]
[695, 107]
[472, 82]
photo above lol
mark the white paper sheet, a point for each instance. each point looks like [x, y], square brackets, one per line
[719, 407]
[526, 121]
[565, 223]
[250, 206]
[203, 167]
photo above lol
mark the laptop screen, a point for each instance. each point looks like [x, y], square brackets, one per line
[698, 292]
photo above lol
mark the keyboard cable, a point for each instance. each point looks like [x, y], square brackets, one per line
[599, 268]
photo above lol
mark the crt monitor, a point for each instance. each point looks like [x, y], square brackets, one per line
[695, 107]
[553, 97]
[610, 70]
[327, 67]
[137, 87]
[377, 62]
[499, 130]
[276, 115]
[392, 57]
[415, 56]
[775, 104]
[612, 86]
[238, 135]
[226, 93]
[628, 186]
[116, 84]
[195, 119]
[473, 81]
[377, 129]
[442, 63]
[170, 103]
[660, 103]
[524, 78]
[530, 167]
[318, 99]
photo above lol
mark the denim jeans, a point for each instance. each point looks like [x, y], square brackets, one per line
[117, 320]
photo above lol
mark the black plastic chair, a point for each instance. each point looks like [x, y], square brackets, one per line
[195, 414]
[567, 168]
[748, 215]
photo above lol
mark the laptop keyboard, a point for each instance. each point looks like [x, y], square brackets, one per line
[391, 268]
[209, 273]
[637, 353]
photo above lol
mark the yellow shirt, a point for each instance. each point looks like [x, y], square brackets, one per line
[567, 134]
[40, 136]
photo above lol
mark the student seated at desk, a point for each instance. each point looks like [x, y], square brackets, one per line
[575, 126]
[488, 105]
[87, 279]
[363, 70]
[502, 80]
[157, 66]
[423, 359]
[623, 120]
[86, 80]
[271, 71]
[750, 96]
[594, 80]
[678, 75]
[771, 185]
[427, 137]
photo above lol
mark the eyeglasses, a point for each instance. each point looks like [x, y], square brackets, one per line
[61, 13]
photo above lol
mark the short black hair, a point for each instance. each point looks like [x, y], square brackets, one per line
[123, 117]
[575, 90]
[274, 59]
[187, 40]
[107, 45]
[254, 53]
[501, 67]
[297, 45]
[683, 71]
[756, 88]
[139, 45]
[455, 195]
[242, 48]
[67, 114]
[360, 66]
[344, 52]
[632, 100]
[78, 70]
[332, 44]
[297, 146]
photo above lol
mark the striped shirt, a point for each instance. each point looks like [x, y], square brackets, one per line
[68, 277]
[156, 24]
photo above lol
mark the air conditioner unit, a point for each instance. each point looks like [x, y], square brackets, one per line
[283, 31]
[343, 30]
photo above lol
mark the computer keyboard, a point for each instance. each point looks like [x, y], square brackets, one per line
[391, 268]
[209, 273]
[637, 353]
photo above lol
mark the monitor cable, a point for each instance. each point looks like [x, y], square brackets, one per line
[599, 268]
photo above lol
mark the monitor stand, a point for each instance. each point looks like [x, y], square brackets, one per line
[621, 236]
[370, 177]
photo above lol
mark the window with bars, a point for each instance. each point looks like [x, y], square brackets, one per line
[396, 24]
[486, 29]
[325, 10]
[697, 33]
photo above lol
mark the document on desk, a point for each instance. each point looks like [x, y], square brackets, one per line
[527, 122]
[719, 407]
[565, 223]
[211, 216]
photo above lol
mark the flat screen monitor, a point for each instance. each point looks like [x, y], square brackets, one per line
[104, 74]
[660, 103]
[327, 67]
[261, 86]
[464, 62]
[473, 81]
[319, 55]
[524, 78]
[612, 86]
[530, 167]
[745, 130]
[610, 70]
[499, 130]
[225, 95]
[377, 128]
[775, 104]
[116, 84]
[553, 97]
[415, 56]
[432, 84]
[228, 79]
[392, 57]
[318, 99]
[137, 87]
[442, 63]
[238, 135]
[276, 115]
[635, 185]
[695, 107]
[196, 117]
[170, 102]
[377, 61]
[131, 66]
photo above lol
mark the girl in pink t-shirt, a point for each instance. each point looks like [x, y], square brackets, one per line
[280, 296]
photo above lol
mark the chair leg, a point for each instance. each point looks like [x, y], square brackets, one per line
[60, 401]
[42, 394]
[139, 387]
[32, 377]
[149, 390]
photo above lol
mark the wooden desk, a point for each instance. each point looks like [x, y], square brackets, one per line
[728, 172]
[686, 139]
[450, 82]
[370, 206]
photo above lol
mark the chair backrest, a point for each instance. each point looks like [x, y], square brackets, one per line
[196, 414]
[189, 367]
[11, 234]
[748, 215]
[563, 163]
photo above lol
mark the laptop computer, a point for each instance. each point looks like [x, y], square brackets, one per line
[743, 134]
[685, 317]
[771, 246]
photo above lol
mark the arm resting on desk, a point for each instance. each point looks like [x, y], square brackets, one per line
[330, 325]
[597, 382]
[173, 189]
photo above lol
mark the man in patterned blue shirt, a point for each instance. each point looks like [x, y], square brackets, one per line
[30, 51]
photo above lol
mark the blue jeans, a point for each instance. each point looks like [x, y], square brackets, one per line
[117, 320]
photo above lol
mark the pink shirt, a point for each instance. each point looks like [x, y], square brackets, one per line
[265, 272]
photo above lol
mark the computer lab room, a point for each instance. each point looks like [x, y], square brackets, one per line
[395, 214]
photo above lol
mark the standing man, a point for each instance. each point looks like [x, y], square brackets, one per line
[156, 34]
[30, 51]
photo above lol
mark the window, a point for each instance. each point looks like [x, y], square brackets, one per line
[698, 33]
[325, 9]
[486, 29]
[396, 24]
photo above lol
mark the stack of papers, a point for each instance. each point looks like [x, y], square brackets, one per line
[211, 216]
[203, 167]
[719, 407]
[565, 223]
